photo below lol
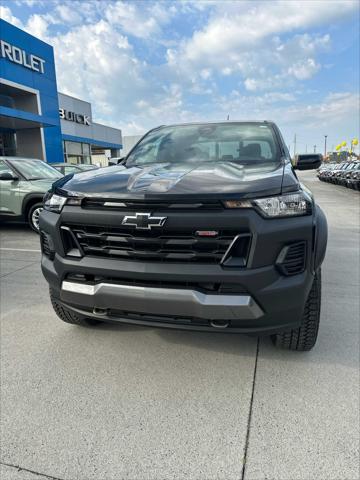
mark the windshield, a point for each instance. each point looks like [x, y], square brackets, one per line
[244, 143]
[35, 169]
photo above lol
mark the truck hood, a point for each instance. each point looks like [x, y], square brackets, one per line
[213, 180]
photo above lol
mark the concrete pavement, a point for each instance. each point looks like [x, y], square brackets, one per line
[117, 402]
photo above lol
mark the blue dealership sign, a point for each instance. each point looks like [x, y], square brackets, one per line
[27, 65]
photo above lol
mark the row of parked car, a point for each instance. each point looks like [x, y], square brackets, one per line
[346, 174]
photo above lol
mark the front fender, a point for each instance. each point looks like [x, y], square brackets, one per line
[321, 237]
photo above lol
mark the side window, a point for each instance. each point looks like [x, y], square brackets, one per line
[4, 168]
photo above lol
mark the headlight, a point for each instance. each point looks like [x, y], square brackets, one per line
[284, 205]
[290, 205]
[55, 203]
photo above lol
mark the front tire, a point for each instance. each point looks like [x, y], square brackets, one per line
[33, 216]
[304, 337]
[68, 316]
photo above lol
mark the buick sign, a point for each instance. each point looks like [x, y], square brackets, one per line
[74, 117]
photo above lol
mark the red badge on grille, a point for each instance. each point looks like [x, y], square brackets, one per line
[207, 233]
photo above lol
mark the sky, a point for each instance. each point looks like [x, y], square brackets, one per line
[147, 63]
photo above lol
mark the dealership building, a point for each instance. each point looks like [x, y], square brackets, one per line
[35, 119]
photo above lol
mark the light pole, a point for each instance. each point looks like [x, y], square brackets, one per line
[325, 136]
[314, 148]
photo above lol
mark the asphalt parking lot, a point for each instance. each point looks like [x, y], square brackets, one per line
[118, 402]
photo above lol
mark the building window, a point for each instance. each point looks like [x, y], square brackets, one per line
[7, 144]
[86, 148]
[76, 152]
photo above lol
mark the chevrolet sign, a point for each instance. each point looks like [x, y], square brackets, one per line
[16, 55]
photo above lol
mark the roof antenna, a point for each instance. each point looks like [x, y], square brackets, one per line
[228, 117]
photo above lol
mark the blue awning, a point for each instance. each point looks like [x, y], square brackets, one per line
[11, 118]
[93, 142]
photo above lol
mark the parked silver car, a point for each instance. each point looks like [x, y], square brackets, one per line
[23, 183]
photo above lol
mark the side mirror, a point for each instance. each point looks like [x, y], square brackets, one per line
[308, 161]
[116, 161]
[7, 176]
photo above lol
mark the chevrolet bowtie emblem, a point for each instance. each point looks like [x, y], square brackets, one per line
[143, 221]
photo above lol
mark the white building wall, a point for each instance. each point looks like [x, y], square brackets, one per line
[128, 142]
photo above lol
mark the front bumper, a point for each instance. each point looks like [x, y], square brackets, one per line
[353, 183]
[272, 302]
[173, 302]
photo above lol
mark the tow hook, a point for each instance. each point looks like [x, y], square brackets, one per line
[99, 311]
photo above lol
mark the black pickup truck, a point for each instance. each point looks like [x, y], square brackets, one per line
[201, 227]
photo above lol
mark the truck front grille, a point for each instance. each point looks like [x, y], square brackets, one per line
[160, 246]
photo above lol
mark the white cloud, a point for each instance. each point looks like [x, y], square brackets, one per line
[335, 108]
[38, 25]
[226, 71]
[68, 15]
[140, 19]
[304, 69]
[28, 3]
[5, 14]
[244, 38]
[278, 63]
[252, 84]
[251, 23]
[96, 61]
[205, 73]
